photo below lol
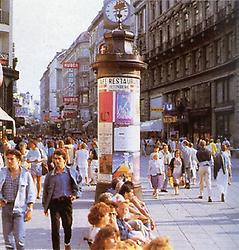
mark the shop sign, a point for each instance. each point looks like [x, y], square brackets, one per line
[71, 65]
[170, 119]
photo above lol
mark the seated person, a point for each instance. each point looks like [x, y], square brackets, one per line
[128, 194]
[140, 205]
[158, 243]
[126, 231]
[98, 217]
[106, 239]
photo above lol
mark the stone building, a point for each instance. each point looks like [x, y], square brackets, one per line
[192, 50]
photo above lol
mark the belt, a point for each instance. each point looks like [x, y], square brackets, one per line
[62, 198]
[10, 202]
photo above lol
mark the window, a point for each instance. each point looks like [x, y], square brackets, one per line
[229, 45]
[142, 107]
[152, 6]
[219, 48]
[160, 7]
[167, 4]
[209, 56]
[177, 26]
[188, 63]
[197, 17]
[84, 67]
[186, 21]
[178, 68]
[208, 10]
[85, 98]
[160, 37]
[223, 91]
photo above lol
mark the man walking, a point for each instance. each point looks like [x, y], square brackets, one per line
[167, 157]
[187, 158]
[17, 195]
[205, 160]
[60, 189]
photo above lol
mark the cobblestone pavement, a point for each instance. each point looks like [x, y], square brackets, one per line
[190, 223]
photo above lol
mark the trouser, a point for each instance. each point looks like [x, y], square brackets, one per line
[165, 183]
[205, 175]
[13, 224]
[60, 209]
[187, 175]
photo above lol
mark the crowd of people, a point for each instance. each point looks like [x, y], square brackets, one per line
[118, 219]
[68, 165]
[180, 162]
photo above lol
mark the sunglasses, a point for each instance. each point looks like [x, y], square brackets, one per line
[113, 214]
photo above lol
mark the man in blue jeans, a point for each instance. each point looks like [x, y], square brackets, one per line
[60, 189]
[17, 195]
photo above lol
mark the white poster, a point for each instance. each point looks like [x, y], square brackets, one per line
[105, 133]
[127, 138]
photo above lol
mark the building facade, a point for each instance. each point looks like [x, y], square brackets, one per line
[192, 50]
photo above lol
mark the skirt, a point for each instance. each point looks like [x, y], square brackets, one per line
[157, 181]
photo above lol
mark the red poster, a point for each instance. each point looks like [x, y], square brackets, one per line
[106, 106]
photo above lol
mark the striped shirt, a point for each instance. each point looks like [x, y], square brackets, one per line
[10, 187]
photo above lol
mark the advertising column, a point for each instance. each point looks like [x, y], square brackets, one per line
[119, 127]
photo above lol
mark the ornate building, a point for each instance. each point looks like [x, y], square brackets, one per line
[192, 50]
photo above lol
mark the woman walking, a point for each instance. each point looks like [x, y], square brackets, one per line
[178, 170]
[156, 173]
[81, 162]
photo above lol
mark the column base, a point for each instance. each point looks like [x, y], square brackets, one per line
[101, 187]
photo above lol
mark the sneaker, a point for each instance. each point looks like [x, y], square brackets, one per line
[209, 199]
[222, 198]
[200, 197]
[164, 190]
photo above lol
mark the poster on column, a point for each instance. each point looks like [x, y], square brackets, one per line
[105, 133]
[124, 112]
[105, 164]
[127, 138]
[106, 107]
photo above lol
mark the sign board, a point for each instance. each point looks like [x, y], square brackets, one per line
[157, 109]
[105, 137]
[119, 84]
[71, 65]
[71, 99]
[169, 119]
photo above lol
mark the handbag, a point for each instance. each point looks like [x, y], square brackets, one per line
[182, 182]
[44, 166]
[169, 173]
[45, 169]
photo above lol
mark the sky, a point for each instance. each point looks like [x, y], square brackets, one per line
[43, 27]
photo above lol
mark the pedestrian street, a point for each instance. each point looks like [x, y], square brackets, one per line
[190, 223]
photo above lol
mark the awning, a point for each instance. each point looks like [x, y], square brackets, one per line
[150, 126]
[87, 124]
[4, 116]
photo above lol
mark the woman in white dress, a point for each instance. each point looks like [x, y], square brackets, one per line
[81, 162]
[221, 174]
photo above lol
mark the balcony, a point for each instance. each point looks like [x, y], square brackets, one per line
[4, 17]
